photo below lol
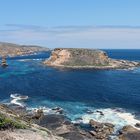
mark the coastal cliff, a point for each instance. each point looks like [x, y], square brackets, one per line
[11, 50]
[86, 58]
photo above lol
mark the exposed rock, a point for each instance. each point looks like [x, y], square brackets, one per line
[58, 110]
[3, 62]
[95, 125]
[62, 126]
[101, 113]
[9, 49]
[38, 114]
[26, 135]
[77, 57]
[101, 130]
[137, 125]
[21, 129]
[86, 58]
[52, 121]
[129, 133]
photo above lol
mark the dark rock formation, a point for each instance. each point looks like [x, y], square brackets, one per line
[86, 58]
[137, 125]
[62, 126]
[58, 110]
[3, 62]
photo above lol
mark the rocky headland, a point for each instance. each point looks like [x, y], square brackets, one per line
[17, 123]
[86, 58]
[11, 50]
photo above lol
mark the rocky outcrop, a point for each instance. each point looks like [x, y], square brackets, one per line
[3, 62]
[62, 127]
[101, 130]
[86, 58]
[9, 49]
[15, 126]
[129, 133]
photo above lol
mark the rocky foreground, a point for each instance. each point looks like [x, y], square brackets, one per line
[17, 123]
[86, 58]
[11, 50]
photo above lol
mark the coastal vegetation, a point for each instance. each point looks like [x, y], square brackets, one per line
[8, 123]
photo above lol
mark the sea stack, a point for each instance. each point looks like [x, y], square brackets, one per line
[3, 62]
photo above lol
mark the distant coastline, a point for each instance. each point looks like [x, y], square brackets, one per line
[12, 50]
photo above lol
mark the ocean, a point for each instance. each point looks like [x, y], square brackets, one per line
[82, 94]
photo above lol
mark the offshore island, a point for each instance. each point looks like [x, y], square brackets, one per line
[17, 123]
[86, 58]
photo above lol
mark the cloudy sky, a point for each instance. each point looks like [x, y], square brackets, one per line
[71, 23]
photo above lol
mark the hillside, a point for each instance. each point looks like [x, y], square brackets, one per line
[9, 49]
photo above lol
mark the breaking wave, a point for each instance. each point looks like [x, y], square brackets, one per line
[117, 116]
[18, 99]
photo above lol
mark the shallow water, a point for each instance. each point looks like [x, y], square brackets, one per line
[79, 92]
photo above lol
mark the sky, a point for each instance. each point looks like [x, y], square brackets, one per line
[103, 24]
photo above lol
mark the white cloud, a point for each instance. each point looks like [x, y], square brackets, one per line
[73, 36]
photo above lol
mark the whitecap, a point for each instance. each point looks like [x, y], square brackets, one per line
[46, 110]
[38, 59]
[17, 99]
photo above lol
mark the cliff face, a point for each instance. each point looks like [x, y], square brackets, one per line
[86, 58]
[78, 57]
[9, 49]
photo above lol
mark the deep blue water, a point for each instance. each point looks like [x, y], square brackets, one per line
[76, 91]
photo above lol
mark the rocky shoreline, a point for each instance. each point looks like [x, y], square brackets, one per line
[86, 59]
[20, 124]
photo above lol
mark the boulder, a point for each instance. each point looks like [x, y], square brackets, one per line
[129, 133]
[101, 130]
[137, 125]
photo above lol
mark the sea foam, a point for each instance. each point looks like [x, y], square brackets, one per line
[17, 99]
[118, 117]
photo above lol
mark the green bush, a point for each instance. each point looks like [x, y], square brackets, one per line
[8, 123]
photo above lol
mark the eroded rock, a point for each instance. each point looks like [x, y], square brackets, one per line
[101, 130]
[129, 133]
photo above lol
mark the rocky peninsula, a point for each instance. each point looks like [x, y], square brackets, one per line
[11, 50]
[86, 58]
